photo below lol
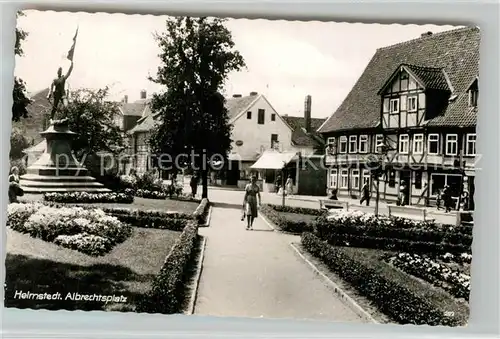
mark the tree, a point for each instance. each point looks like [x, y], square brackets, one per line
[20, 99]
[18, 143]
[197, 55]
[92, 117]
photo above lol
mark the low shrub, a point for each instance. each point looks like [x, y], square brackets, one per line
[454, 282]
[128, 181]
[90, 231]
[391, 297]
[167, 293]
[298, 210]
[284, 224]
[172, 190]
[201, 212]
[150, 194]
[89, 198]
[151, 219]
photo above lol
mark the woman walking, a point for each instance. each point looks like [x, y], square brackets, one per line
[250, 202]
[194, 185]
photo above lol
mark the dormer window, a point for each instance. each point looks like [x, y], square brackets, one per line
[394, 106]
[473, 96]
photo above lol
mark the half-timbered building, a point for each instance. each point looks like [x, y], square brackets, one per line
[418, 99]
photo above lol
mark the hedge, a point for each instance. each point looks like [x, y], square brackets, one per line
[89, 198]
[298, 210]
[284, 224]
[168, 288]
[391, 297]
[201, 212]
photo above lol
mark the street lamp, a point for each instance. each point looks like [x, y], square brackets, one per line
[375, 164]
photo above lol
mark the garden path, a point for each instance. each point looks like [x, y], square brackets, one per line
[257, 274]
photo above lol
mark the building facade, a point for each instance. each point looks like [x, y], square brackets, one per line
[419, 99]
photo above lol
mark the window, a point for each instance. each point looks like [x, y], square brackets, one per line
[249, 115]
[394, 106]
[379, 140]
[363, 144]
[353, 144]
[403, 143]
[470, 147]
[392, 178]
[333, 178]
[355, 179]
[418, 143]
[473, 97]
[343, 144]
[412, 104]
[418, 179]
[366, 176]
[343, 179]
[330, 140]
[451, 144]
[273, 117]
[438, 181]
[433, 144]
[261, 117]
[274, 140]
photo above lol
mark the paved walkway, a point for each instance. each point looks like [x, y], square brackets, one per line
[257, 274]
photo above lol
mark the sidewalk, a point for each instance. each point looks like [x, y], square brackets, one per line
[256, 274]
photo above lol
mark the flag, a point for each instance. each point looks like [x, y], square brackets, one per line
[71, 51]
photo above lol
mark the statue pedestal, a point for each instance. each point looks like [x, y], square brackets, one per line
[57, 169]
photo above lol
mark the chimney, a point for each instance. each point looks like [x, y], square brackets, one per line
[125, 99]
[143, 94]
[307, 113]
[423, 35]
[252, 94]
[236, 95]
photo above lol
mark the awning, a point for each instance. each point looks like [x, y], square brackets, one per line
[274, 160]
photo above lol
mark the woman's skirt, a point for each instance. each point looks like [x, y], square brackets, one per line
[251, 207]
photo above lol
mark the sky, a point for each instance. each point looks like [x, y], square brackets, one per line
[286, 60]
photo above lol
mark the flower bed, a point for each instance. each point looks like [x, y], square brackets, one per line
[391, 296]
[89, 198]
[90, 231]
[285, 224]
[453, 281]
[365, 230]
[150, 194]
[298, 210]
[167, 293]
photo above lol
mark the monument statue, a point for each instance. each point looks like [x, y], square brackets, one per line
[58, 91]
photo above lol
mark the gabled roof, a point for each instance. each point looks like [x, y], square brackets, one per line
[235, 106]
[299, 135]
[427, 77]
[455, 51]
[135, 108]
[144, 124]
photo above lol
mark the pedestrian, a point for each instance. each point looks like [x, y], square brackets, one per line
[289, 185]
[15, 189]
[277, 183]
[333, 194]
[439, 198]
[365, 194]
[402, 193]
[194, 185]
[447, 199]
[251, 202]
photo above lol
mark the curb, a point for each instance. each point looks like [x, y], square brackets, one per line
[199, 268]
[344, 297]
[268, 223]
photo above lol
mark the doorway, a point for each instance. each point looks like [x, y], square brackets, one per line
[233, 173]
[405, 176]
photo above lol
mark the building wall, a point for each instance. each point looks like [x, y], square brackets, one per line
[257, 137]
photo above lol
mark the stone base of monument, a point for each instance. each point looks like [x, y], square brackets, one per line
[57, 169]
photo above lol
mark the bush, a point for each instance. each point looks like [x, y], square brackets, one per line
[128, 181]
[152, 219]
[149, 181]
[89, 198]
[20, 164]
[90, 231]
[201, 212]
[150, 194]
[283, 223]
[172, 190]
[167, 293]
[298, 210]
[390, 296]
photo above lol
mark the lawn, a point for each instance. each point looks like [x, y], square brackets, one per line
[37, 266]
[170, 205]
[296, 217]
[441, 299]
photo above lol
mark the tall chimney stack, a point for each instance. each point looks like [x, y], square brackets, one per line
[307, 113]
[125, 99]
[143, 94]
